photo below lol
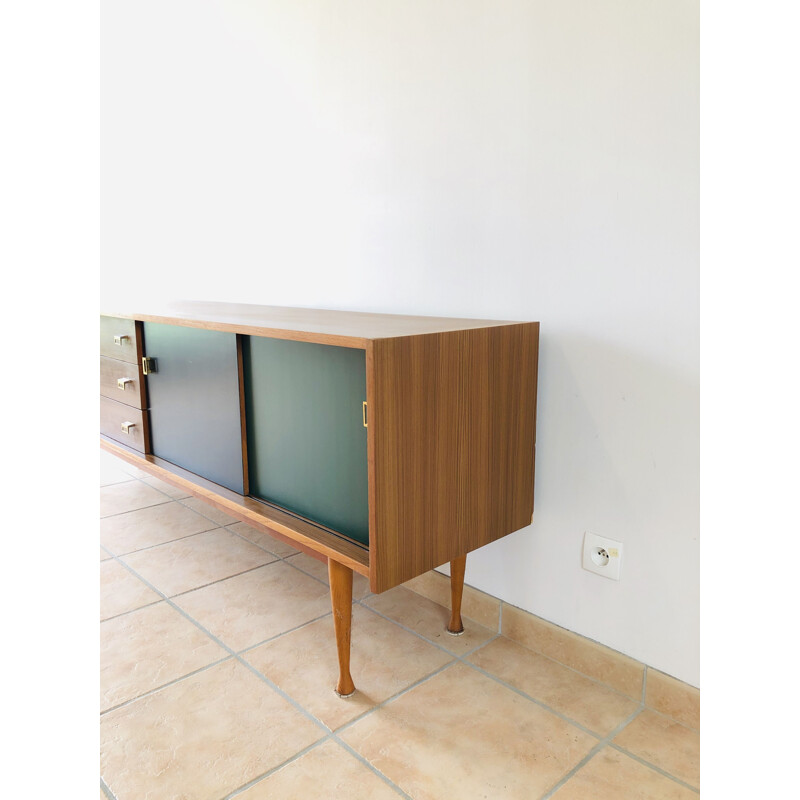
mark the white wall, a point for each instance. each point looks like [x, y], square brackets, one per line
[528, 159]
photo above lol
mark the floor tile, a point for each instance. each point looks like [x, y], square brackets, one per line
[128, 496]
[597, 707]
[327, 771]
[673, 698]
[664, 742]
[462, 735]
[428, 619]
[147, 648]
[320, 571]
[611, 775]
[110, 460]
[103, 555]
[276, 546]
[201, 738]
[197, 560]
[619, 671]
[210, 511]
[247, 609]
[111, 472]
[384, 660]
[121, 592]
[168, 489]
[147, 527]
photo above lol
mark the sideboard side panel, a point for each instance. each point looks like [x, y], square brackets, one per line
[453, 419]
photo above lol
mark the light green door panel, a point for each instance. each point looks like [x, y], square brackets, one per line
[306, 442]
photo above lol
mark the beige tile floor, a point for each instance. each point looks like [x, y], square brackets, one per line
[218, 663]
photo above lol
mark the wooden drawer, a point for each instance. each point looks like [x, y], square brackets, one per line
[118, 339]
[132, 392]
[114, 414]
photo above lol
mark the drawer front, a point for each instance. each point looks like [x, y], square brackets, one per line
[112, 417]
[118, 339]
[122, 381]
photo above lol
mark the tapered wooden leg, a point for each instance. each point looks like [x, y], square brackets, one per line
[457, 567]
[341, 580]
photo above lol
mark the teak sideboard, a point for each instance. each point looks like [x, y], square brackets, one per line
[379, 443]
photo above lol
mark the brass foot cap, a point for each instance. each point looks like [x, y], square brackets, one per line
[344, 696]
[454, 633]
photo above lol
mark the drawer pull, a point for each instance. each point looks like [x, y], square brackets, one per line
[126, 427]
[122, 382]
[119, 340]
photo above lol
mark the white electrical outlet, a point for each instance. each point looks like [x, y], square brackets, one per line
[602, 556]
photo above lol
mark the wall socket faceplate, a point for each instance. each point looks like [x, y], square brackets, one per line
[602, 556]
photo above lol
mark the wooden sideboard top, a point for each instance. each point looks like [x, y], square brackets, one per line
[344, 328]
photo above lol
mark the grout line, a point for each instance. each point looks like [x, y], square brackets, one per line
[332, 735]
[344, 726]
[328, 733]
[129, 479]
[138, 508]
[244, 787]
[416, 633]
[288, 560]
[540, 703]
[251, 647]
[353, 752]
[462, 658]
[653, 766]
[106, 791]
[288, 698]
[224, 578]
[169, 541]
[590, 755]
[130, 611]
[153, 546]
[672, 719]
[165, 685]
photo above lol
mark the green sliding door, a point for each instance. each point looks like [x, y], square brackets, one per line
[195, 413]
[306, 442]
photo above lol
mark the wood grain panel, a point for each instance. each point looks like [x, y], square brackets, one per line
[301, 534]
[113, 414]
[111, 370]
[324, 326]
[127, 349]
[452, 441]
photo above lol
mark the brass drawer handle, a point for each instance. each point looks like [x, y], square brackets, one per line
[122, 382]
[126, 427]
[118, 340]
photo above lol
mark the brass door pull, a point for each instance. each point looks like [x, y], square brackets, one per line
[118, 340]
[126, 427]
[364, 413]
[122, 382]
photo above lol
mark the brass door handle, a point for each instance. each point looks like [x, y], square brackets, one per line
[121, 338]
[364, 413]
[122, 382]
[126, 427]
